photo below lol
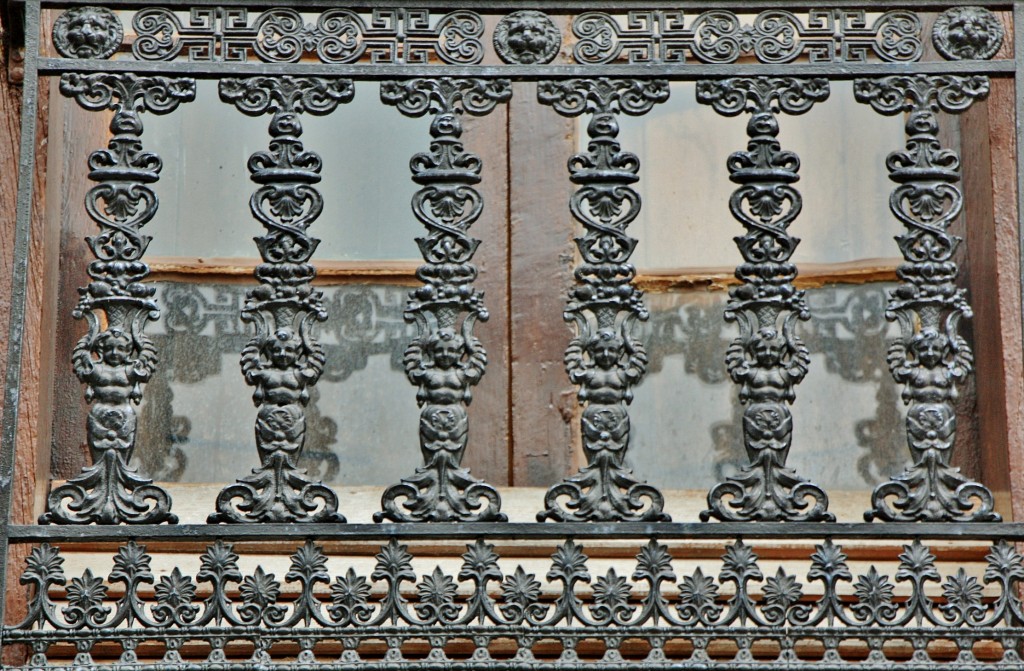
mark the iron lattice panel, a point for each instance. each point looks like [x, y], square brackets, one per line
[752, 58]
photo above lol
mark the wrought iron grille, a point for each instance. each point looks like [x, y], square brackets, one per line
[445, 61]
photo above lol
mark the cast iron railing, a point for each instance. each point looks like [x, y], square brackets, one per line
[747, 57]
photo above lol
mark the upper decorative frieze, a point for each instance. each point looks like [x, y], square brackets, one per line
[423, 36]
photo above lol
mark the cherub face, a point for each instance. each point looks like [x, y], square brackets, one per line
[767, 348]
[283, 349]
[446, 348]
[605, 349]
[114, 349]
[929, 346]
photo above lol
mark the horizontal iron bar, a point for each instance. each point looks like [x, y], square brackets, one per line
[686, 71]
[543, 665]
[562, 632]
[566, 5]
[516, 531]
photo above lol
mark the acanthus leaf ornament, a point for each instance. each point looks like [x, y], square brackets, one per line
[930, 359]
[604, 358]
[446, 359]
[115, 358]
[283, 360]
[768, 359]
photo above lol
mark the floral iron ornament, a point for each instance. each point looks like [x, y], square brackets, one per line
[767, 359]
[446, 359]
[930, 359]
[737, 601]
[115, 357]
[283, 360]
[604, 359]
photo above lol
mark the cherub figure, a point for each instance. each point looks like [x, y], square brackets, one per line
[767, 365]
[113, 377]
[445, 367]
[281, 366]
[444, 379]
[930, 370]
[606, 366]
[596, 364]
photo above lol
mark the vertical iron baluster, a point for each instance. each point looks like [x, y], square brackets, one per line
[604, 358]
[446, 359]
[116, 358]
[930, 359]
[766, 361]
[283, 360]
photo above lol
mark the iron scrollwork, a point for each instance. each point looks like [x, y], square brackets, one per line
[767, 360]
[930, 359]
[775, 36]
[446, 359]
[604, 358]
[283, 360]
[115, 358]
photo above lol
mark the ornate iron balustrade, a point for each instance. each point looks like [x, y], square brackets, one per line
[747, 57]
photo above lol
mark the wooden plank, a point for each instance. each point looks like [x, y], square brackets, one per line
[544, 407]
[489, 421]
[812, 275]
[77, 133]
[993, 279]
[202, 268]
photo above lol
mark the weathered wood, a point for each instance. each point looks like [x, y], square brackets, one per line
[993, 278]
[214, 268]
[77, 133]
[812, 275]
[487, 452]
[544, 449]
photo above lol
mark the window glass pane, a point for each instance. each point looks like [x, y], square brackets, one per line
[197, 418]
[683, 147]
[686, 424]
[204, 188]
